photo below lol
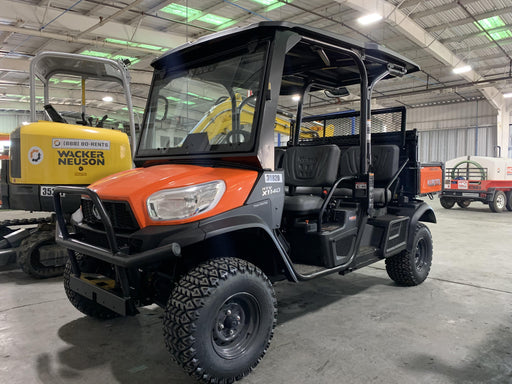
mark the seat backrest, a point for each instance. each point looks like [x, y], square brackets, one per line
[385, 162]
[312, 166]
[278, 157]
[196, 142]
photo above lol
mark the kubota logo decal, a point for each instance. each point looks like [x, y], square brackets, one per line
[35, 155]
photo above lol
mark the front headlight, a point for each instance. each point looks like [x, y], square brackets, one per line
[183, 203]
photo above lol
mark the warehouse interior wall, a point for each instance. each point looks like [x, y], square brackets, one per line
[453, 130]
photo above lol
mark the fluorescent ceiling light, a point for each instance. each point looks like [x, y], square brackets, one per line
[507, 95]
[295, 97]
[464, 69]
[266, 2]
[369, 19]
[108, 99]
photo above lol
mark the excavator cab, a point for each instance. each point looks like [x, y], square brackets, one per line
[76, 149]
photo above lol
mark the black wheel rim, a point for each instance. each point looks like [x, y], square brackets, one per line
[420, 256]
[236, 325]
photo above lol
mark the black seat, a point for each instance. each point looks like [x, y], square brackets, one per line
[385, 162]
[278, 157]
[314, 166]
[196, 142]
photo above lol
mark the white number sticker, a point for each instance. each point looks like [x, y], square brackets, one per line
[47, 191]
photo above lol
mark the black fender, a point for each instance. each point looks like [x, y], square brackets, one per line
[417, 211]
[238, 221]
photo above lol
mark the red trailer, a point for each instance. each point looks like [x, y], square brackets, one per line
[478, 178]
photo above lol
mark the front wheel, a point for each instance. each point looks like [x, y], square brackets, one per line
[499, 202]
[447, 202]
[219, 320]
[411, 267]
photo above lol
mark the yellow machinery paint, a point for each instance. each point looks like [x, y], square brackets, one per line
[56, 153]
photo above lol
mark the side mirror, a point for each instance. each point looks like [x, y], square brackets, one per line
[336, 92]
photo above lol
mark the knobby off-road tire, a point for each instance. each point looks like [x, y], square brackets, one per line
[410, 268]
[463, 203]
[499, 202]
[83, 304]
[29, 257]
[447, 202]
[219, 320]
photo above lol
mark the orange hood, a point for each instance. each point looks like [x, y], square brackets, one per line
[136, 185]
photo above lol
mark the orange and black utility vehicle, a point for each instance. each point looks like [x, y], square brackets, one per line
[216, 211]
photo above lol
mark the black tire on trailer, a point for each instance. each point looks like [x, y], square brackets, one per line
[509, 201]
[410, 268]
[28, 257]
[499, 202]
[463, 203]
[219, 320]
[83, 304]
[447, 202]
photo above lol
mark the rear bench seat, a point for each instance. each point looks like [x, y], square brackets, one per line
[385, 163]
[305, 186]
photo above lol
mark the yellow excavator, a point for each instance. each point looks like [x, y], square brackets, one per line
[45, 154]
[217, 122]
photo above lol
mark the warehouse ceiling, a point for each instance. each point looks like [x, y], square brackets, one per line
[439, 35]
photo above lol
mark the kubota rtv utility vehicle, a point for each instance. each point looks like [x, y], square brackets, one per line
[207, 222]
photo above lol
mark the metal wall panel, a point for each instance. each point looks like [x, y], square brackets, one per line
[10, 121]
[450, 131]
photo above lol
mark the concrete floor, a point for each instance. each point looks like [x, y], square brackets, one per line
[454, 328]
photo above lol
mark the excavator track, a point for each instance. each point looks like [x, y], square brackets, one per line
[32, 221]
[35, 249]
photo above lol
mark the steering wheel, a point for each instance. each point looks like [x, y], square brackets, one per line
[237, 136]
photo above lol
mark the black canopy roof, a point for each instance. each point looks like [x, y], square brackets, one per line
[328, 68]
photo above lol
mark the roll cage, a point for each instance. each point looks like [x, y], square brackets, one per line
[296, 60]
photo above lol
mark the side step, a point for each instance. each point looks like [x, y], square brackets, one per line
[395, 229]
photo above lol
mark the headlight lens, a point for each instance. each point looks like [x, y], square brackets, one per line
[183, 203]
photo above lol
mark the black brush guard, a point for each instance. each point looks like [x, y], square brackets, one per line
[118, 256]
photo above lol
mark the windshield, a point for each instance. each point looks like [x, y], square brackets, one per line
[208, 108]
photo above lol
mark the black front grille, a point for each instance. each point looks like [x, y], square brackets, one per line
[119, 212]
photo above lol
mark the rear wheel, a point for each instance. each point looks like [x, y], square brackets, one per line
[509, 201]
[499, 202]
[219, 320]
[410, 268]
[83, 304]
[40, 257]
[463, 203]
[447, 202]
